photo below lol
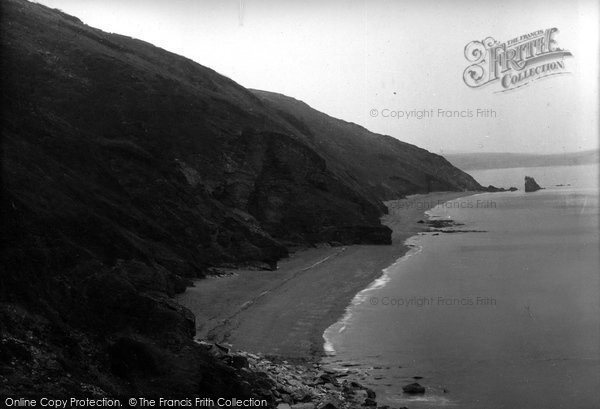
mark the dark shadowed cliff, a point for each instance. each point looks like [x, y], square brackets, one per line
[127, 169]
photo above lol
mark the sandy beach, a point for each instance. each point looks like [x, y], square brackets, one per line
[285, 312]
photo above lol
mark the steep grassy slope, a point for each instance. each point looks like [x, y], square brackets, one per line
[381, 166]
[129, 148]
[126, 168]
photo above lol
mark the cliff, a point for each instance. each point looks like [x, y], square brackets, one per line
[126, 171]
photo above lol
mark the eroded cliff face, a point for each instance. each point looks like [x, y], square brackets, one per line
[128, 170]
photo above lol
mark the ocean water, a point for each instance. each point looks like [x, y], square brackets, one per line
[505, 316]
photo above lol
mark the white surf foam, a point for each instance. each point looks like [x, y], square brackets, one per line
[380, 282]
[361, 296]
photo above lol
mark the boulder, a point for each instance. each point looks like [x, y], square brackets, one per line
[413, 388]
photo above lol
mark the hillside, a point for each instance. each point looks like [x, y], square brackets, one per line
[378, 165]
[127, 170]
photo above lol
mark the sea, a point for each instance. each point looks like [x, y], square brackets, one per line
[504, 313]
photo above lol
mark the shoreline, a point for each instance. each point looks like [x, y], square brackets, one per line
[285, 313]
[432, 201]
[378, 282]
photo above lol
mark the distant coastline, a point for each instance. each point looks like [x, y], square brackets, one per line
[491, 160]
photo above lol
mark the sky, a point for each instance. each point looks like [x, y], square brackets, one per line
[372, 62]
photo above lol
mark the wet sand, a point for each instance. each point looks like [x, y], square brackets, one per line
[285, 312]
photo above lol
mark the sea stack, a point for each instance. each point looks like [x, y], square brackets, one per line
[531, 185]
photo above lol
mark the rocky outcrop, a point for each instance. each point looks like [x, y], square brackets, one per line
[494, 189]
[297, 385]
[531, 185]
[447, 226]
